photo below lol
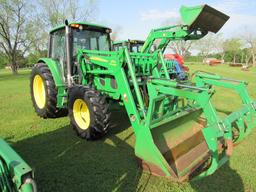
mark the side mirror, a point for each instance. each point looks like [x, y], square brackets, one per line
[66, 22]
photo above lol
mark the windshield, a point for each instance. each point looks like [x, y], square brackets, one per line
[116, 47]
[90, 40]
[136, 47]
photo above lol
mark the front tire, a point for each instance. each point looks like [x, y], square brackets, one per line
[44, 93]
[88, 112]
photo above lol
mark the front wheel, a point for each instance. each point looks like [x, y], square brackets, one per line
[88, 112]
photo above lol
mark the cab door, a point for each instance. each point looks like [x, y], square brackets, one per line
[57, 51]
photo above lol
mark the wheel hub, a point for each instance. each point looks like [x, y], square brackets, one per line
[39, 91]
[81, 114]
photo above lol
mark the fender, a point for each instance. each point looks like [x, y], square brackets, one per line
[61, 88]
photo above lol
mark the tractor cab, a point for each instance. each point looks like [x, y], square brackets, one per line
[132, 45]
[81, 35]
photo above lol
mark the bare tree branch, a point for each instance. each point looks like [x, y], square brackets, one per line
[12, 23]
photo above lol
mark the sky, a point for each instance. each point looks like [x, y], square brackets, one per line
[133, 19]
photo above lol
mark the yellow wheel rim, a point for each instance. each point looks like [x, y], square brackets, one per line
[81, 114]
[39, 91]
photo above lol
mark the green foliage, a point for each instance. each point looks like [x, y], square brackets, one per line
[23, 61]
[232, 47]
[242, 55]
[194, 59]
[20, 59]
[3, 60]
[215, 55]
[32, 58]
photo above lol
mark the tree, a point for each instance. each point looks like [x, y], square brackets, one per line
[55, 12]
[3, 60]
[245, 56]
[21, 60]
[211, 43]
[12, 24]
[181, 47]
[37, 36]
[51, 13]
[33, 56]
[250, 40]
[233, 46]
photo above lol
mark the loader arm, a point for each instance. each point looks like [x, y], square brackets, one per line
[15, 173]
[168, 34]
[197, 22]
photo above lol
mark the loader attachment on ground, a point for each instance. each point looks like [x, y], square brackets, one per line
[15, 173]
[243, 120]
[183, 143]
[203, 17]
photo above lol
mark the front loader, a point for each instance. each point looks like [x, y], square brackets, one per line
[179, 140]
[197, 22]
[15, 174]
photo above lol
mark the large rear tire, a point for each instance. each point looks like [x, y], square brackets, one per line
[44, 93]
[88, 112]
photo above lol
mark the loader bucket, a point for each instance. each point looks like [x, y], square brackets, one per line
[203, 17]
[15, 173]
[181, 145]
[184, 142]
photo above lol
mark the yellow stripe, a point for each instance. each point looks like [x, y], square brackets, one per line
[98, 59]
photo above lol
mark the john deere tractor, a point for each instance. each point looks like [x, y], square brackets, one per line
[178, 131]
[132, 45]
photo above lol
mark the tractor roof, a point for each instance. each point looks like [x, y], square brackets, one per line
[81, 23]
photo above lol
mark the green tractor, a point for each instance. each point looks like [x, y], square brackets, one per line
[178, 131]
[132, 45]
[15, 174]
[55, 80]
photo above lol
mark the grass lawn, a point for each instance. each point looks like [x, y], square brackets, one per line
[63, 162]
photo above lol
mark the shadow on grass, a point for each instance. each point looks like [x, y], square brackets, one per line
[63, 162]
[225, 179]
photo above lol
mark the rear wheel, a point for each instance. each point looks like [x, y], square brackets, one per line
[44, 92]
[88, 112]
